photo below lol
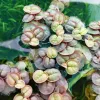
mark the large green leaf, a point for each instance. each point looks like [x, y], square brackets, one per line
[76, 9]
[93, 13]
[10, 54]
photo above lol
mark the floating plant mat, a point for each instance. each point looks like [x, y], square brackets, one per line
[50, 51]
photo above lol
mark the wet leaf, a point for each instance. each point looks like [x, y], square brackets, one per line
[93, 13]
[10, 54]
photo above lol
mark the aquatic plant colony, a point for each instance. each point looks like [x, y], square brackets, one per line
[71, 47]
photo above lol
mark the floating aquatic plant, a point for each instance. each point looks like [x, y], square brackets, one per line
[72, 48]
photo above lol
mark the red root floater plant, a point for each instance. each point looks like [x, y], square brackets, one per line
[64, 35]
